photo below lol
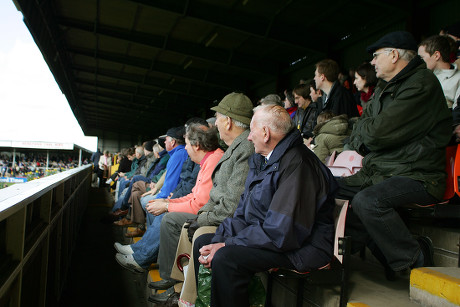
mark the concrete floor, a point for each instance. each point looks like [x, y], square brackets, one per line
[368, 285]
[95, 278]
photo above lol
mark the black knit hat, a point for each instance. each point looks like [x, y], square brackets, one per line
[398, 39]
[149, 145]
[161, 141]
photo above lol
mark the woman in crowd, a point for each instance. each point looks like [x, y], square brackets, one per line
[365, 81]
[289, 103]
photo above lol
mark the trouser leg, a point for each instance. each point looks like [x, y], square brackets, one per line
[188, 289]
[147, 252]
[232, 269]
[170, 230]
[375, 206]
[137, 213]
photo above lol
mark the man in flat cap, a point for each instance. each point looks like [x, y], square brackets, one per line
[402, 135]
[233, 116]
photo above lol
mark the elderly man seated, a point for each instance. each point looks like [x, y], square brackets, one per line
[284, 217]
[402, 135]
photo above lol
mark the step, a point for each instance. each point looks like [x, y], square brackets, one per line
[435, 286]
[369, 287]
[445, 242]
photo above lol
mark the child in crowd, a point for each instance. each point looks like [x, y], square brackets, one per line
[330, 132]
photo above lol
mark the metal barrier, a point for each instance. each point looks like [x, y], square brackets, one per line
[39, 223]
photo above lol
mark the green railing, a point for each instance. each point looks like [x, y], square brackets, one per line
[39, 223]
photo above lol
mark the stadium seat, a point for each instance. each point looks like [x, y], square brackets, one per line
[336, 272]
[347, 163]
[447, 208]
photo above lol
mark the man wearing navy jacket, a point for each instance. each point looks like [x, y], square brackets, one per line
[284, 217]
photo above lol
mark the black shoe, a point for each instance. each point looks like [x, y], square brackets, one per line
[426, 248]
[162, 284]
[162, 297]
[173, 300]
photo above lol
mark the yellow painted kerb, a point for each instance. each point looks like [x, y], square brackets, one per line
[436, 283]
[357, 304]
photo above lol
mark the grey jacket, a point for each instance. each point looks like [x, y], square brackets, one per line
[228, 182]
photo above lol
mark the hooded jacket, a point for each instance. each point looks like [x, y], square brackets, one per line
[286, 206]
[404, 131]
[329, 136]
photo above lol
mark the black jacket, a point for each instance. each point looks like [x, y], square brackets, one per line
[305, 120]
[340, 101]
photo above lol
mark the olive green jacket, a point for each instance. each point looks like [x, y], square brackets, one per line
[228, 181]
[329, 136]
[404, 131]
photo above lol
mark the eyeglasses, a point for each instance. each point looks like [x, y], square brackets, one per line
[387, 51]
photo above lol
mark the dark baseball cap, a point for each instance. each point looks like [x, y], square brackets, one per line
[176, 133]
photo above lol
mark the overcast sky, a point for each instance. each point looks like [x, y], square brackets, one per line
[32, 106]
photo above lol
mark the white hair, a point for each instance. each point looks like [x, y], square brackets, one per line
[406, 55]
[275, 117]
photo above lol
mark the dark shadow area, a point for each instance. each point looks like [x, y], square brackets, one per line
[95, 278]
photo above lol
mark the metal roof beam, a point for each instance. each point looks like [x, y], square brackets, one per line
[198, 51]
[143, 94]
[197, 91]
[253, 25]
[193, 75]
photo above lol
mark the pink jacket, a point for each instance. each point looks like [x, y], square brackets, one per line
[192, 202]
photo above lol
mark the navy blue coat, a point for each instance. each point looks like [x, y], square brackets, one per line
[287, 206]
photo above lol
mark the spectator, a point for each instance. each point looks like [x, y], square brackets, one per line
[435, 51]
[284, 218]
[305, 117]
[104, 163]
[402, 136]
[271, 99]
[330, 132]
[124, 161]
[289, 103]
[202, 147]
[365, 81]
[233, 115]
[335, 97]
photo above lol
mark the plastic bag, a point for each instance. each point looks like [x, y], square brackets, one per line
[256, 289]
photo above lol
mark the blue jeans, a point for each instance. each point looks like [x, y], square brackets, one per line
[122, 186]
[146, 250]
[149, 217]
[122, 202]
[373, 220]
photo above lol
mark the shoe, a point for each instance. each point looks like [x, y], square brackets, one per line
[162, 284]
[123, 222]
[425, 258]
[109, 181]
[135, 233]
[162, 297]
[123, 249]
[173, 300]
[128, 262]
[119, 212]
